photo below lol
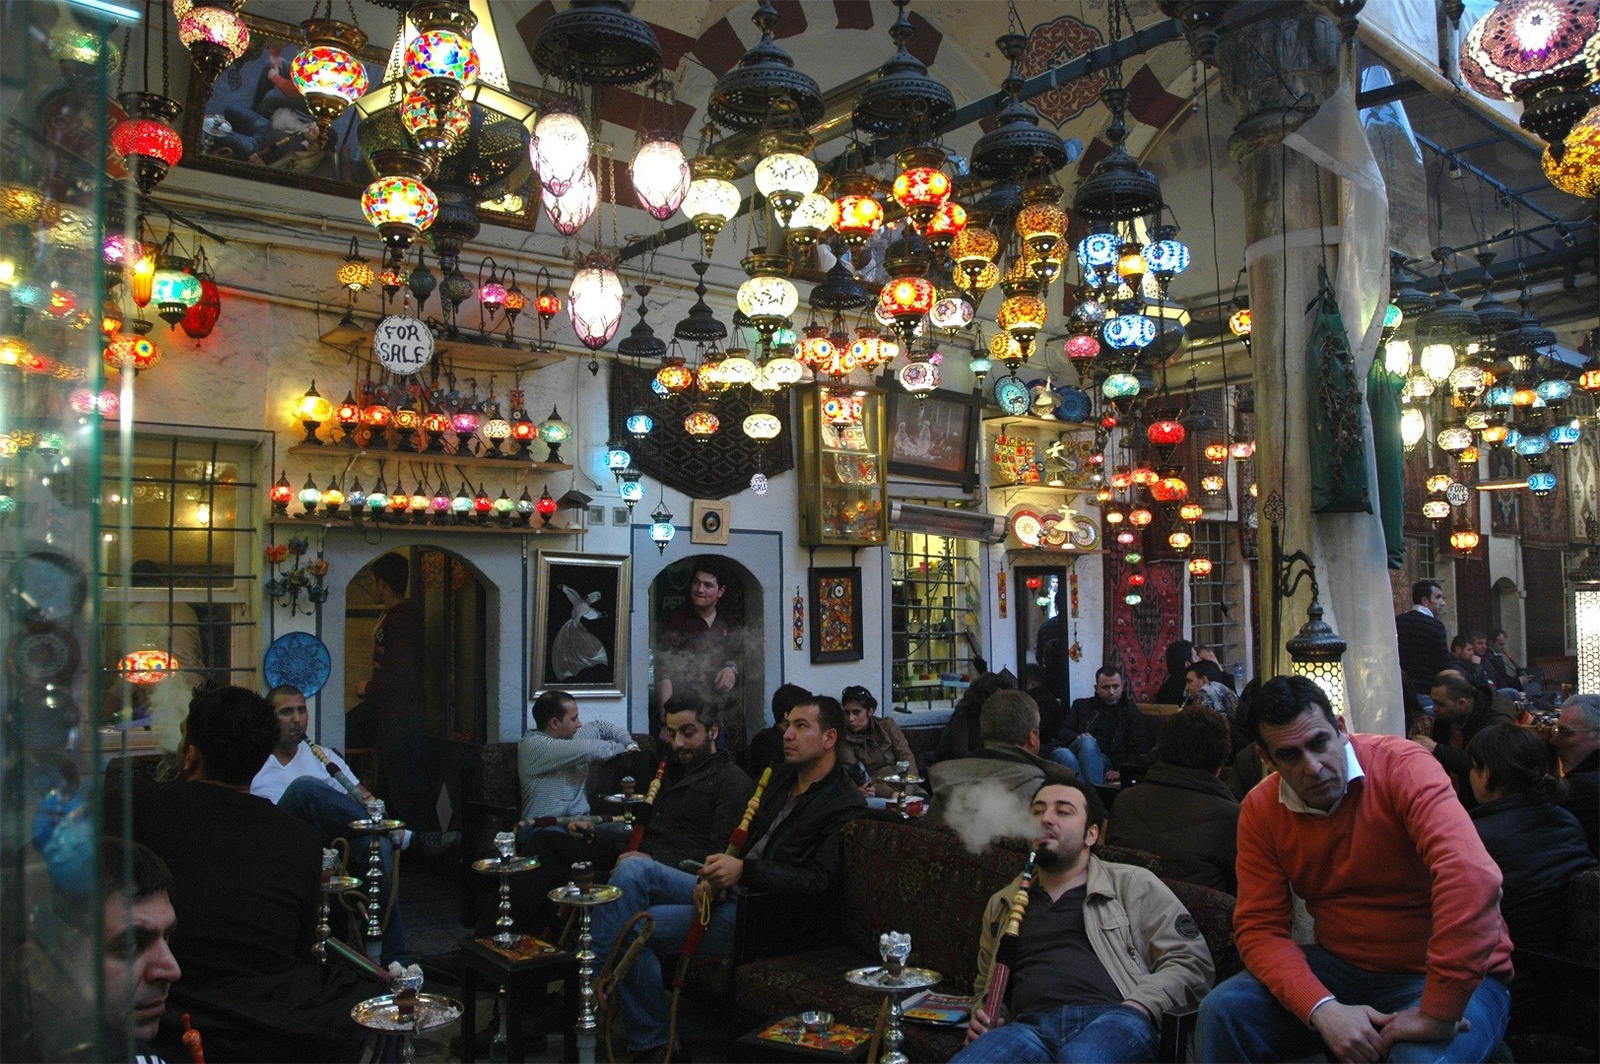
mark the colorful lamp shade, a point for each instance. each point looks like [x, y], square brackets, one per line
[974, 249]
[1120, 385]
[1127, 332]
[559, 150]
[148, 144]
[1098, 252]
[1022, 315]
[1565, 435]
[762, 425]
[946, 226]
[435, 128]
[327, 73]
[810, 219]
[701, 424]
[1081, 346]
[660, 176]
[713, 199]
[147, 666]
[1167, 256]
[1200, 567]
[1240, 322]
[1541, 483]
[661, 527]
[921, 191]
[786, 177]
[908, 297]
[1577, 172]
[855, 218]
[443, 62]
[215, 37]
[400, 208]
[127, 351]
[1212, 484]
[639, 424]
[1169, 489]
[674, 377]
[869, 351]
[768, 298]
[1522, 45]
[1191, 511]
[1464, 539]
[1041, 223]
[951, 312]
[203, 315]
[594, 302]
[1166, 433]
[1436, 509]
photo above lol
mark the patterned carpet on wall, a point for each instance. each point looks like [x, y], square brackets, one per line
[1137, 636]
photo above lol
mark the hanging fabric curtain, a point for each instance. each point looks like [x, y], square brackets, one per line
[1338, 451]
[1383, 406]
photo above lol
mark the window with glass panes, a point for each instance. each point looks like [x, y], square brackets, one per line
[177, 565]
[935, 615]
[1216, 608]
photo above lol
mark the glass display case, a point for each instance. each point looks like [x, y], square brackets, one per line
[842, 467]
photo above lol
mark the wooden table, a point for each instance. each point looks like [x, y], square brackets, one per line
[525, 981]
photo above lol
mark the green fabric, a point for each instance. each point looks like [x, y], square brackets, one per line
[1383, 403]
[1338, 449]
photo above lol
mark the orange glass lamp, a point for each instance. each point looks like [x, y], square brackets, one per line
[281, 494]
[856, 214]
[1200, 567]
[921, 187]
[312, 409]
[1140, 517]
[147, 666]
[1191, 511]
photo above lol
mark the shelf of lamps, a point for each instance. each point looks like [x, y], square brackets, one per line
[367, 523]
[461, 351]
[508, 463]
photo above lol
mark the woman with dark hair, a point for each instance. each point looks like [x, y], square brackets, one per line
[1180, 654]
[871, 742]
[1537, 844]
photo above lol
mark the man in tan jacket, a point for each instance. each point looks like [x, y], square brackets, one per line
[1104, 950]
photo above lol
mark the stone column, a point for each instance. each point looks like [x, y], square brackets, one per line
[1276, 71]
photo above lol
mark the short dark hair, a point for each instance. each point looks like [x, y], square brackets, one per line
[860, 696]
[1093, 807]
[1106, 670]
[1195, 737]
[1455, 684]
[235, 730]
[283, 690]
[1460, 640]
[1008, 717]
[548, 706]
[1516, 762]
[1033, 675]
[979, 690]
[712, 568]
[1422, 589]
[703, 711]
[830, 714]
[1179, 653]
[1207, 669]
[785, 698]
[1281, 700]
[1496, 634]
[393, 570]
[1475, 634]
[149, 876]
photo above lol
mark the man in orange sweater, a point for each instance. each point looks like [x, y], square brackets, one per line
[1411, 957]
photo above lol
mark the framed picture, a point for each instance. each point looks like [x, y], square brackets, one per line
[255, 125]
[835, 614]
[580, 624]
[935, 437]
[709, 522]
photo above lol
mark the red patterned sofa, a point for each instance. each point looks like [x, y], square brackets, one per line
[922, 880]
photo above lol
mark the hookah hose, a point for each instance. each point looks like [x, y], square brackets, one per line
[697, 930]
[191, 1042]
[615, 968]
[649, 800]
[335, 771]
[1005, 951]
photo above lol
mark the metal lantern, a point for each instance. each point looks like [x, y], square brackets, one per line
[594, 301]
[398, 204]
[434, 128]
[148, 144]
[215, 36]
[1317, 653]
[661, 528]
[568, 210]
[327, 71]
[946, 225]
[921, 187]
[1542, 53]
[856, 213]
[785, 174]
[713, 199]
[441, 58]
[810, 219]
[554, 432]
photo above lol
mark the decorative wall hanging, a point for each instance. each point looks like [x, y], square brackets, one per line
[798, 625]
[709, 522]
[714, 468]
[580, 617]
[835, 615]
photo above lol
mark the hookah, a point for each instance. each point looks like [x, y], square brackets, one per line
[377, 822]
[333, 882]
[893, 979]
[504, 864]
[583, 893]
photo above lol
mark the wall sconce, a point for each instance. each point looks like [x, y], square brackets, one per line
[1316, 651]
[1586, 588]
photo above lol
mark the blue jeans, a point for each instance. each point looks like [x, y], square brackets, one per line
[668, 894]
[1099, 1033]
[1084, 758]
[330, 812]
[1242, 1020]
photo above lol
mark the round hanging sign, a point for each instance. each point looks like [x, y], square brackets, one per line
[402, 344]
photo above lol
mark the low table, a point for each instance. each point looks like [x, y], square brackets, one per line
[522, 974]
[755, 1048]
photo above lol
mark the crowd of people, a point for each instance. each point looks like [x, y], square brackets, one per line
[1420, 861]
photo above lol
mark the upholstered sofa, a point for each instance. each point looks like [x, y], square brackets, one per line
[922, 880]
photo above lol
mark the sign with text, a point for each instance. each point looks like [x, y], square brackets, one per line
[402, 344]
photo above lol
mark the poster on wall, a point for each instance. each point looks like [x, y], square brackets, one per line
[580, 616]
[836, 615]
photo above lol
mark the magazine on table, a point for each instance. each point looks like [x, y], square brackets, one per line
[929, 1007]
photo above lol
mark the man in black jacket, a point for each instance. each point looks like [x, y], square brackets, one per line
[1424, 645]
[703, 793]
[792, 851]
[1103, 730]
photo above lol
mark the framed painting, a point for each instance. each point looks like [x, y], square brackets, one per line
[934, 437]
[255, 125]
[580, 624]
[835, 614]
[709, 522]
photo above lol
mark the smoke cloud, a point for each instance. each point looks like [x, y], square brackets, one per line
[987, 810]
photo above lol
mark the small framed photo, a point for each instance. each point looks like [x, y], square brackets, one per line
[619, 515]
[580, 624]
[835, 614]
[709, 522]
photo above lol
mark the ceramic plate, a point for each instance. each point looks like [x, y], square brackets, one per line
[299, 659]
[1026, 527]
[1074, 404]
[1012, 395]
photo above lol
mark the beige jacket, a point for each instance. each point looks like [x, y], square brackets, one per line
[1150, 945]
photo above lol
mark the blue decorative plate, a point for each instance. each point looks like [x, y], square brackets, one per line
[299, 659]
[1075, 404]
[1012, 395]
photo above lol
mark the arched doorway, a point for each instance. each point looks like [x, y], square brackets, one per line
[1506, 612]
[743, 606]
[451, 660]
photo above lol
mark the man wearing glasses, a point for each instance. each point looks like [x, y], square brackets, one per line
[1577, 742]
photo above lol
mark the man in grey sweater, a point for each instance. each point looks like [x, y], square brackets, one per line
[554, 757]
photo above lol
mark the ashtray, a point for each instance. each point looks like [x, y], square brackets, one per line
[816, 1021]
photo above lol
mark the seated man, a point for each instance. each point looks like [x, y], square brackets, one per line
[1460, 711]
[295, 781]
[1007, 764]
[766, 746]
[1411, 957]
[1103, 730]
[138, 966]
[246, 889]
[1182, 811]
[791, 851]
[1577, 743]
[1103, 951]
[703, 793]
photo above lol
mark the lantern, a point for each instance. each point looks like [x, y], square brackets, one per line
[1169, 489]
[1577, 172]
[1180, 541]
[675, 377]
[1120, 385]
[1413, 424]
[310, 495]
[545, 505]
[1541, 483]
[594, 301]
[856, 214]
[435, 129]
[1140, 517]
[127, 351]
[1436, 509]
[1166, 256]
[810, 219]
[946, 225]
[1023, 314]
[326, 71]
[215, 37]
[1097, 254]
[280, 493]
[1316, 652]
[701, 424]
[974, 249]
[1166, 433]
[661, 528]
[1542, 53]
[660, 176]
[1081, 346]
[568, 210]
[559, 150]
[767, 298]
[554, 432]
[1464, 539]
[1191, 511]
[1200, 567]
[713, 199]
[442, 61]
[762, 425]
[951, 312]
[202, 316]
[1127, 332]
[147, 666]
[400, 207]
[1239, 322]
[921, 188]
[1213, 484]
[785, 175]
[312, 410]
[1041, 222]
[174, 289]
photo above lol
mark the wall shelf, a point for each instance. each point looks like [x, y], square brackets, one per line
[462, 351]
[300, 521]
[510, 463]
[1026, 421]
